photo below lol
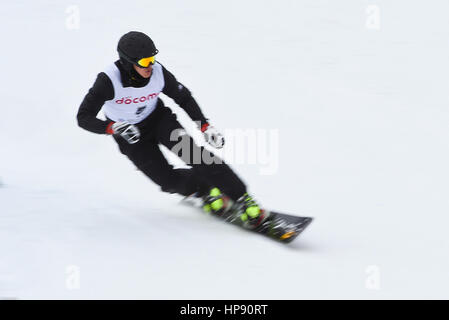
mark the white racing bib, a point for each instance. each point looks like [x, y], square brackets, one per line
[133, 104]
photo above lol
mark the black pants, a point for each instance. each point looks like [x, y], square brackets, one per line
[207, 170]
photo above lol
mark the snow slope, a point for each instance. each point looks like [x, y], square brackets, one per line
[362, 117]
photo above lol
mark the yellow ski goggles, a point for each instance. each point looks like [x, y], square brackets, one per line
[145, 62]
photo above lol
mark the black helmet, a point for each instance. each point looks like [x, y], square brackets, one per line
[134, 46]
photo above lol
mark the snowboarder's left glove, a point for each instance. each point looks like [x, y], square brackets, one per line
[127, 131]
[212, 136]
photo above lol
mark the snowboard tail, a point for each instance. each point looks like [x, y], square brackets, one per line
[277, 226]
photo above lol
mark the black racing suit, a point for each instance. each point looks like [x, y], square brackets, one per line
[206, 171]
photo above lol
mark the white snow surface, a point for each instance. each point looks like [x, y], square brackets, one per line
[363, 128]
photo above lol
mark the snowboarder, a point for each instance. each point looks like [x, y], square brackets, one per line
[128, 91]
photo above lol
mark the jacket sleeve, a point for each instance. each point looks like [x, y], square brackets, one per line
[101, 91]
[182, 97]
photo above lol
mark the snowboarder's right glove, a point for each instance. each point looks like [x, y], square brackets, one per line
[127, 131]
[212, 136]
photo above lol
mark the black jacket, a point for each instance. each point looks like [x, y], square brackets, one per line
[103, 90]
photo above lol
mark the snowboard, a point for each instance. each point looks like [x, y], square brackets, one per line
[277, 226]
